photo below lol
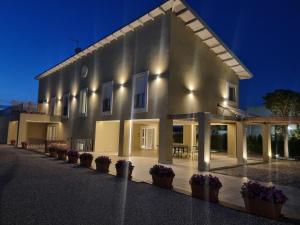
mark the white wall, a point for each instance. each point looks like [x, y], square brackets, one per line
[107, 136]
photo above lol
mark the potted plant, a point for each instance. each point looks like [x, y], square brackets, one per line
[52, 150]
[162, 176]
[102, 164]
[262, 200]
[73, 156]
[205, 187]
[62, 152]
[86, 160]
[124, 169]
[13, 142]
[24, 144]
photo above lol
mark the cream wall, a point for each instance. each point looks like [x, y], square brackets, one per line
[107, 136]
[36, 131]
[12, 131]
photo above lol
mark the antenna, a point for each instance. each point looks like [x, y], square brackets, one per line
[77, 49]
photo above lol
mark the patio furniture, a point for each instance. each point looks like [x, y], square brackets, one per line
[179, 149]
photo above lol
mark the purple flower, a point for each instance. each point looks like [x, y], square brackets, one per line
[206, 180]
[124, 164]
[103, 160]
[255, 190]
[86, 156]
[73, 153]
[162, 171]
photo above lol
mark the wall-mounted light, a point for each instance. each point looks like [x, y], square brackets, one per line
[122, 86]
[158, 77]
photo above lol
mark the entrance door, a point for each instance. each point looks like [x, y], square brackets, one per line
[51, 132]
[147, 138]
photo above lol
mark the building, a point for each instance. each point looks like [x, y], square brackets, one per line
[166, 72]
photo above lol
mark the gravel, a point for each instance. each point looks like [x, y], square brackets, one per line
[35, 189]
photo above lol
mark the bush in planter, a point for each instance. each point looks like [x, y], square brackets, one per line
[73, 156]
[52, 150]
[262, 200]
[124, 169]
[86, 160]
[13, 142]
[62, 152]
[205, 187]
[24, 144]
[102, 164]
[162, 176]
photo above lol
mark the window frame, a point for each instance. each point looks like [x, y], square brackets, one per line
[66, 96]
[83, 114]
[231, 85]
[135, 77]
[111, 97]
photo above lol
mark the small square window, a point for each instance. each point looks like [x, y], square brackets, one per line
[107, 98]
[140, 92]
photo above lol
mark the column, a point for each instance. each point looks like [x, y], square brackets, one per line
[231, 140]
[286, 143]
[204, 135]
[165, 155]
[122, 151]
[267, 150]
[241, 143]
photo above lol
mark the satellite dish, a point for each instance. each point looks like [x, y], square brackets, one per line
[84, 71]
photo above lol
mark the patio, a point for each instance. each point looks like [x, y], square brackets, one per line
[184, 169]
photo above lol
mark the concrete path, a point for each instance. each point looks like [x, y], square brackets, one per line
[35, 189]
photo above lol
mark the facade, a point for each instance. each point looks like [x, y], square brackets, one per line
[126, 93]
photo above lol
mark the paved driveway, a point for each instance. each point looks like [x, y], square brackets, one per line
[36, 190]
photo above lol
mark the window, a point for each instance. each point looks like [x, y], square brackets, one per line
[53, 107]
[140, 92]
[107, 97]
[232, 94]
[66, 106]
[83, 102]
[178, 134]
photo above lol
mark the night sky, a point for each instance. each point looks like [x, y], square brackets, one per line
[35, 35]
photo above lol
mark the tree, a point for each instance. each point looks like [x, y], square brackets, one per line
[283, 103]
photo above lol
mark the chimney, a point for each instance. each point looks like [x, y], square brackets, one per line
[77, 50]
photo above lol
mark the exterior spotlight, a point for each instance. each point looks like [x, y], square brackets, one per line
[191, 92]
[122, 86]
[157, 77]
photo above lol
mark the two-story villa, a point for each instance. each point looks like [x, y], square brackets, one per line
[128, 93]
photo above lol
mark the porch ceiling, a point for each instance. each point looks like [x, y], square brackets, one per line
[273, 120]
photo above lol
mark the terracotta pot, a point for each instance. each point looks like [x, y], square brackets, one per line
[61, 155]
[72, 159]
[13, 142]
[263, 208]
[125, 172]
[205, 193]
[86, 162]
[102, 167]
[163, 182]
[24, 145]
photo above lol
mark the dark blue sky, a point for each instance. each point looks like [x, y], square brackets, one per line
[35, 35]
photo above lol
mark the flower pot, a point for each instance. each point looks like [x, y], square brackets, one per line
[205, 193]
[163, 182]
[13, 142]
[61, 155]
[102, 167]
[72, 159]
[86, 162]
[263, 208]
[24, 145]
[125, 172]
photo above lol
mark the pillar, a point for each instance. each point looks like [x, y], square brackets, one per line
[286, 142]
[165, 155]
[241, 143]
[122, 138]
[204, 135]
[267, 149]
[231, 140]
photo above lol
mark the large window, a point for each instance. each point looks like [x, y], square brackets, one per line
[232, 93]
[178, 134]
[83, 102]
[66, 106]
[140, 92]
[107, 97]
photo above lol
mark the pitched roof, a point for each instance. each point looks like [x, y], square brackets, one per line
[191, 20]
